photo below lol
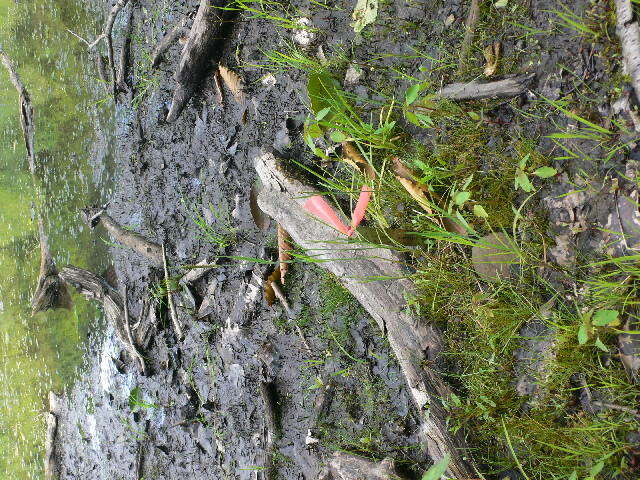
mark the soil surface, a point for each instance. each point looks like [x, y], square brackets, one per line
[198, 413]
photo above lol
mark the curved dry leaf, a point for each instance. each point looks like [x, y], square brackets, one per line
[418, 192]
[492, 56]
[261, 219]
[269, 294]
[234, 83]
[284, 247]
[352, 156]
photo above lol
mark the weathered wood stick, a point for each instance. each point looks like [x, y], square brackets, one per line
[94, 287]
[507, 87]
[133, 240]
[172, 307]
[268, 394]
[202, 51]
[165, 43]
[199, 270]
[127, 329]
[416, 343]
[628, 31]
[344, 466]
[50, 472]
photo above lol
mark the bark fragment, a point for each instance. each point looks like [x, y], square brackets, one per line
[628, 31]
[344, 466]
[508, 87]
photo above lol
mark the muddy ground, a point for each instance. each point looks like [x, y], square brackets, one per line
[198, 413]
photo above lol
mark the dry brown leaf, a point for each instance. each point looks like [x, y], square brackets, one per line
[269, 294]
[352, 156]
[261, 220]
[492, 56]
[234, 83]
[218, 84]
[284, 247]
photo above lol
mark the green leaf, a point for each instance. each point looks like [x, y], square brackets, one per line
[601, 345]
[461, 197]
[364, 14]
[474, 116]
[322, 113]
[411, 94]
[324, 92]
[501, 3]
[436, 471]
[412, 117]
[522, 181]
[425, 119]
[604, 318]
[573, 476]
[583, 334]
[479, 211]
[337, 136]
[545, 172]
[596, 469]
[524, 160]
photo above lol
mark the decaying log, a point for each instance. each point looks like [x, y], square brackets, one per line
[133, 240]
[415, 342]
[165, 43]
[344, 466]
[93, 287]
[172, 307]
[505, 88]
[51, 291]
[202, 51]
[50, 467]
[628, 31]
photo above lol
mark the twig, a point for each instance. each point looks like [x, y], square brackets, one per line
[172, 307]
[79, 37]
[613, 406]
[166, 42]
[127, 329]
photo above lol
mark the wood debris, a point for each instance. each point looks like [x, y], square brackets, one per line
[284, 247]
[492, 54]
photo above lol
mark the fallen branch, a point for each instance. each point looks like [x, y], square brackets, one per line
[268, 394]
[172, 306]
[415, 343]
[163, 45]
[125, 56]
[202, 51]
[127, 329]
[92, 286]
[50, 467]
[505, 88]
[628, 31]
[133, 240]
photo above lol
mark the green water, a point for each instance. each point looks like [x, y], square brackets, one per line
[44, 352]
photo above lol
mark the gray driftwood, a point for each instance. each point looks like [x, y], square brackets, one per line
[344, 466]
[133, 240]
[505, 88]
[628, 31]
[94, 287]
[415, 342]
[202, 51]
[50, 292]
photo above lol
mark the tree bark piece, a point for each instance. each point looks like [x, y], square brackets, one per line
[133, 240]
[165, 43]
[50, 467]
[505, 88]
[628, 31]
[344, 466]
[202, 51]
[415, 343]
[94, 287]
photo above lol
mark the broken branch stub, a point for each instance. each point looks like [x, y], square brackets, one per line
[628, 31]
[202, 51]
[415, 342]
[133, 240]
